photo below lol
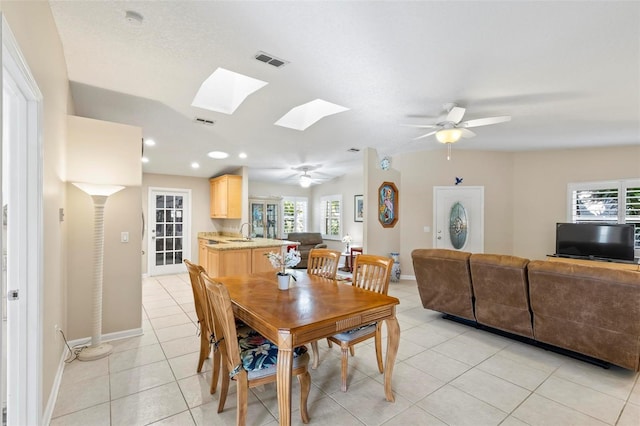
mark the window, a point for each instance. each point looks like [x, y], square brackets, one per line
[295, 214]
[331, 217]
[606, 202]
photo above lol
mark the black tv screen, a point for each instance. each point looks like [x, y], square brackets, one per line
[595, 240]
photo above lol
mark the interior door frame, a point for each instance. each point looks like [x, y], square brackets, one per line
[25, 356]
[186, 227]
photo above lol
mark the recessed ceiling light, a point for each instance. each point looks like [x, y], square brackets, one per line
[303, 116]
[145, 160]
[195, 165]
[149, 142]
[224, 91]
[218, 155]
[242, 155]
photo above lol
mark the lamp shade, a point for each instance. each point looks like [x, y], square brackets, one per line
[97, 189]
[449, 135]
[305, 181]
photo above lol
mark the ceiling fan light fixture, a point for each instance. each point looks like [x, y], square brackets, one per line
[451, 135]
[305, 180]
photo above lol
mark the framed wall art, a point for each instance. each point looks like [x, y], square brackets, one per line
[358, 208]
[388, 204]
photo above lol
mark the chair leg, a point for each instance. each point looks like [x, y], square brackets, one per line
[345, 367]
[216, 361]
[316, 355]
[378, 340]
[205, 348]
[224, 388]
[242, 389]
[305, 386]
[329, 343]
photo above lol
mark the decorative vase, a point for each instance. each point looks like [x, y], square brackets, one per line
[283, 282]
[395, 268]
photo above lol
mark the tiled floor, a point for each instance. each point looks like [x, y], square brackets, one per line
[446, 373]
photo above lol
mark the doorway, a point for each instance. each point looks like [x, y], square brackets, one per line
[459, 218]
[169, 230]
[21, 201]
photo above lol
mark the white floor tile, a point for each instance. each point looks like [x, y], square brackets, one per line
[140, 378]
[98, 415]
[513, 371]
[540, 411]
[82, 394]
[456, 407]
[182, 419]
[148, 406]
[491, 389]
[135, 357]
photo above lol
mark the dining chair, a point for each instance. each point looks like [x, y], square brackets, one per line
[248, 357]
[323, 263]
[371, 273]
[205, 320]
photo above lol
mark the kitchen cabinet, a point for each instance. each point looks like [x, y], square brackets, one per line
[226, 197]
[259, 260]
[202, 253]
[265, 217]
[221, 263]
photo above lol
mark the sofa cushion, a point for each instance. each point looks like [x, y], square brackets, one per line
[501, 290]
[308, 241]
[587, 309]
[444, 281]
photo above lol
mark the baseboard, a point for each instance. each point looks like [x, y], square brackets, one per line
[125, 334]
[408, 277]
[53, 395]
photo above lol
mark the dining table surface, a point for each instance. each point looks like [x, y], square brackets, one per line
[311, 309]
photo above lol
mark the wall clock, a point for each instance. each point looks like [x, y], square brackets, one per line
[385, 163]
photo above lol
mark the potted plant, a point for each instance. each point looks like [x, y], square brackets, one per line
[290, 259]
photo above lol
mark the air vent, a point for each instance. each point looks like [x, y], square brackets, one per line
[204, 121]
[353, 150]
[270, 59]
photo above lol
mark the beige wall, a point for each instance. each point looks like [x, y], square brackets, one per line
[540, 189]
[122, 286]
[200, 212]
[36, 34]
[103, 152]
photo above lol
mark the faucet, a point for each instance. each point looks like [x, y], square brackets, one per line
[248, 237]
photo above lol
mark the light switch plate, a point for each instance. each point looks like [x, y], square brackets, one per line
[124, 237]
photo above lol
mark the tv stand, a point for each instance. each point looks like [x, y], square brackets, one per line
[604, 263]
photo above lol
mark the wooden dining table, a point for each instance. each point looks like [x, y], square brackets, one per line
[312, 308]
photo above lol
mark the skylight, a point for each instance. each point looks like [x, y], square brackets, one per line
[224, 91]
[305, 115]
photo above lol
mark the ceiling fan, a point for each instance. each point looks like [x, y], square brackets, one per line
[450, 129]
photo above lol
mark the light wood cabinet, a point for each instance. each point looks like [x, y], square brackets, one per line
[259, 260]
[202, 253]
[221, 263]
[226, 197]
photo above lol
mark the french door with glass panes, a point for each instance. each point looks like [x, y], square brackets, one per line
[169, 230]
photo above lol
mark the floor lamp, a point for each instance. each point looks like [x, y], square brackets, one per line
[99, 194]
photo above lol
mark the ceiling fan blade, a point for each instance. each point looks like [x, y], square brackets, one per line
[485, 121]
[424, 136]
[422, 126]
[466, 133]
[455, 114]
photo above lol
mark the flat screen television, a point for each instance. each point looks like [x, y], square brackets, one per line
[595, 241]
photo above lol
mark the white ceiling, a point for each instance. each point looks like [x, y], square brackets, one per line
[568, 72]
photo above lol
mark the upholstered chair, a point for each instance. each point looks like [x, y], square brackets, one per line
[248, 357]
[371, 273]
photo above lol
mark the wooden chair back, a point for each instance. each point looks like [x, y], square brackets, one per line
[323, 262]
[200, 300]
[224, 324]
[372, 272]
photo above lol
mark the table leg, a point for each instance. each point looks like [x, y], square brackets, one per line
[285, 365]
[393, 340]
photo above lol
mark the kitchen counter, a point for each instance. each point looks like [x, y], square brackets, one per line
[215, 241]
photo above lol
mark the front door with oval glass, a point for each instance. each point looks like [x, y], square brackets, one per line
[459, 218]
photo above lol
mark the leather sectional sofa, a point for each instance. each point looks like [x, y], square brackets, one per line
[588, 310]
